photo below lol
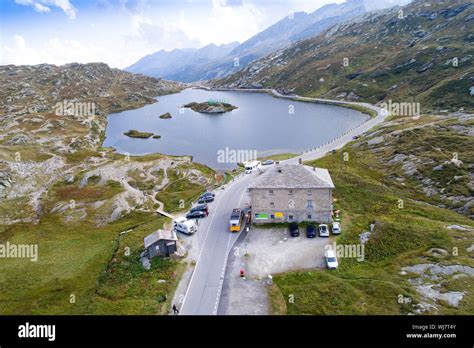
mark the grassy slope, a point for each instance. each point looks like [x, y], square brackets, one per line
[72, 256]
[179, 194]
[78, 254]
[77, 257]
[365, 193]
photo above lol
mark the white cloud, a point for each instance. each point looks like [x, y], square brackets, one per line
[121, 34]
[64, 5]
[52, 51]
[236, 21]
[159, 35]
[42, 6]
[18, 53]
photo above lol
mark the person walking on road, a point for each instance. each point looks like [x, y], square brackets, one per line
[175, 309]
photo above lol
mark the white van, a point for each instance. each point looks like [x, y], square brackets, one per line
[251, 166]
[184, 225]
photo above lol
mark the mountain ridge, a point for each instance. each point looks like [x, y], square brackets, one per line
[425, 57]
[290, 29]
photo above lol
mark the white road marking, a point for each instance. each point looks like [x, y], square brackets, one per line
[200, 252]
[221, 282]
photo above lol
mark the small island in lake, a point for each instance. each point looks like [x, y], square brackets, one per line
[157, 136]
[137, 134]
[166, 116]
[211, 107]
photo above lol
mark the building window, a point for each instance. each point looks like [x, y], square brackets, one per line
[271, 192]
[290, 217]
[272, 216]
[309, 193]
[272, 204]
[290, 192]
[309, 216]
[310, 204]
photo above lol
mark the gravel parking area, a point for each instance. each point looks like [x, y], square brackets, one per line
[272, 250]
[261, 252]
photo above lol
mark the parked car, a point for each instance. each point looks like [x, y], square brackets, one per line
[294, 231]
[184, 225]
[267, 163]
[323, 230]
[336, 228]
[196, 215]
[207, 193]
[331, 260]
[206, 199]
[310, 231]
[200, 207]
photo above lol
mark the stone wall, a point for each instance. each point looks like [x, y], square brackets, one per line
[282, 205]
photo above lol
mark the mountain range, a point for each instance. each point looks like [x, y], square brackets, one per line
[418, 53]
[211, 61]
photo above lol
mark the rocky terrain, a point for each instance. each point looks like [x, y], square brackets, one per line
[166, 116]
[393, 187]
[402, 59]
[83, 204]
[432, 154]
[52, 125]
[421, 52]
[409, 181]
[211, 108]
[138, 134]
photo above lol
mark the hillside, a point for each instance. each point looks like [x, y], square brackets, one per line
[418, 258]
[418, 53]
[80, 203]
[30, 94]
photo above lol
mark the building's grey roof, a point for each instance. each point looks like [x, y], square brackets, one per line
[158, 235]
[293, 177]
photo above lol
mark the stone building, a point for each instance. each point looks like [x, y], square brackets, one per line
[286, 193]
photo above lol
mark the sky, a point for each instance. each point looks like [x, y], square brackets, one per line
[119, 32]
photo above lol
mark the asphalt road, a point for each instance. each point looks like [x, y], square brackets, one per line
[204, 289]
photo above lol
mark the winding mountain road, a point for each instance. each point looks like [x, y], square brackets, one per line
[204, 289]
